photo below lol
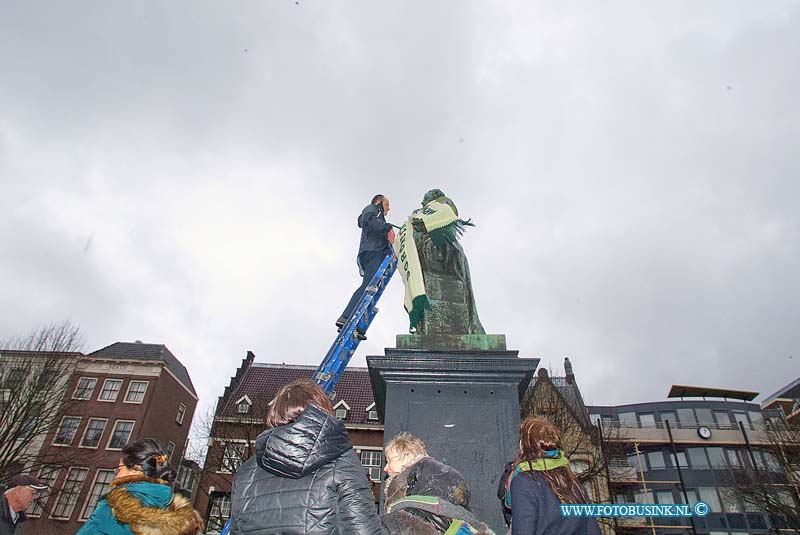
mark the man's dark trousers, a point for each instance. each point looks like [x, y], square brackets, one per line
[370, 261]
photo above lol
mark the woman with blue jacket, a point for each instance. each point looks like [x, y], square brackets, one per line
[540, 481]
[141, 500]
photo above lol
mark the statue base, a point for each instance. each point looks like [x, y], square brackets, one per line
[461, 342]
[464, 404]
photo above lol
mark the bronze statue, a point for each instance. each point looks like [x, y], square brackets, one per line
[444, 302]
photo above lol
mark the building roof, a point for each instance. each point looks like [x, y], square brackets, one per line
[681, 391]
[147, 352]
[261, 381]
[790, 391]
[567, 388]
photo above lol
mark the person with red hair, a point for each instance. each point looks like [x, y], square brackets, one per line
[540, 481]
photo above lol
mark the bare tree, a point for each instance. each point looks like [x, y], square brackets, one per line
[34, 375]
[226, 442]
[590, 448]
[774, 486]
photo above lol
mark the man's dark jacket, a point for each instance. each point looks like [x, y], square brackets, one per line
[304, 479]
[7, 526]
[373, 230]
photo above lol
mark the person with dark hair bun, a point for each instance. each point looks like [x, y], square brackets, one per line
[305, 477]
[141, 500]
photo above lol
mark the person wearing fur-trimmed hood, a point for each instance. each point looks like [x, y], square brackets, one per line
[141, 500]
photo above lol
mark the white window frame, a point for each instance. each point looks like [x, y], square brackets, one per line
[170, 450]
[83, 517]
[113, 429]
[228, 461]
[370, 467]
[181, 414]
[116, 394]
[128, 392]
[338, 407]
[74, 434]
[212, 514]
[91, 391]
[41, 502]
[86, 430]
[372, 410]
[77, 493]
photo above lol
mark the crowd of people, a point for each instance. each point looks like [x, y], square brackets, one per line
[306, 478]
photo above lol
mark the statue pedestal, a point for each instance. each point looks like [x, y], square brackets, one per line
[464, 404]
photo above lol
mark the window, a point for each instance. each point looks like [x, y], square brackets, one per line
[94, 430]
[47, 476]
[679, 459]
[756, 418]
[232, 457]
[697, 456]
[640, 496]
[723, 418]
[730, 504]
[734, 458]
[628, 419]
[704, 417]
[243, 407]
[15, 376]
[594, 418]
[373, 462]
[28, 426]
[341, 413]
[84, 388]
[121, 434]
[136, 390]
[741, 417]
[665, 497]
[670, 417]
[656, 460]
[110, 390]
[170, 450]
[100, 487]
[66, 431]
[181, 413]
[373, 415]
[647, 420]
[578, 467]
[186, 477]
[48, 378]
[686, 417]
[709, 495]
[220, 511]
[68, 495]
[633, 461]
[716, 458]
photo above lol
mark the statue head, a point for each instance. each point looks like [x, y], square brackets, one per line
[432, 195]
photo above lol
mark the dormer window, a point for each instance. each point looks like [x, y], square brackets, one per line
[243, 405]
[372, 413]
[341, 410]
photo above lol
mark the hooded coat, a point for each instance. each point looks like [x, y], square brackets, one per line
[304, 479]
[373, 227]
[139, 505]
[426, 498]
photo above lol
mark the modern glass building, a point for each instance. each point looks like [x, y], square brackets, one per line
[684, 451]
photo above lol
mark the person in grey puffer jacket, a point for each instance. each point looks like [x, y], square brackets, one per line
[376, 238]
[305, 477]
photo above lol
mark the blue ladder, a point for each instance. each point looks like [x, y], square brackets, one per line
[338, 356]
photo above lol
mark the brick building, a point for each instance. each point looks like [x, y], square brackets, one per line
[120, 393]
[239, 418]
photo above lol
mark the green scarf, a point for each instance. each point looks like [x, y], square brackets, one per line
[539, 465]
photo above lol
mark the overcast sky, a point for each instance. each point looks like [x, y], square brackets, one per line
[190, 173]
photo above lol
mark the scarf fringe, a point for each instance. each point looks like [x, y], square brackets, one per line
[450, 233]
[419, 305]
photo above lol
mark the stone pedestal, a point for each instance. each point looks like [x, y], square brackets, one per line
[464, 404]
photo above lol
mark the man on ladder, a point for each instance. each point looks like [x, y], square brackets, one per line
[376, 238]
